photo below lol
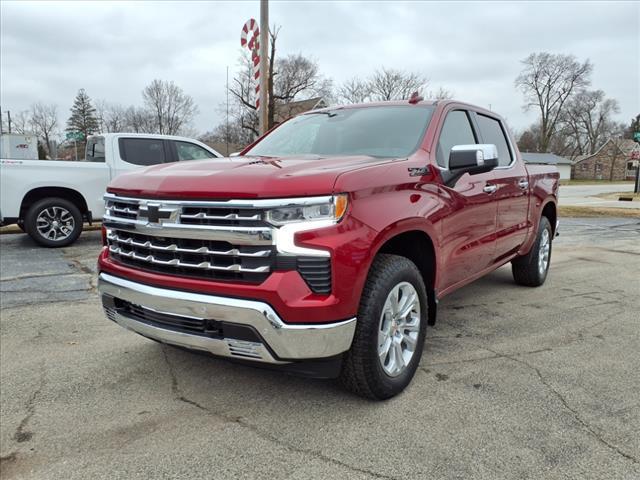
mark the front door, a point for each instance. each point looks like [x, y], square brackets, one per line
[468, 231]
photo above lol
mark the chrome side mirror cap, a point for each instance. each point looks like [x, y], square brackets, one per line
[471, 159]
[478, 158]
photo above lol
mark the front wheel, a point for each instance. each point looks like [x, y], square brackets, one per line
[531, 269]
[390, 332]
[53, 222]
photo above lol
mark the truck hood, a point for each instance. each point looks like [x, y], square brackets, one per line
[241, 177]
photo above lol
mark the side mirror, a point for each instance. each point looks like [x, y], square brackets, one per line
[473, 159]
[234, 154]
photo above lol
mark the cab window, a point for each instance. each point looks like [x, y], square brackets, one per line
[191, 151]
[455, 131]
[142, 151]
[95, 150]
[492, 132]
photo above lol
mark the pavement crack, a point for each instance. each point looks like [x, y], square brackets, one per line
[479, 359]
[79, 266]
[22, 434]
[565, 404]
[179, 395]
[35, 275]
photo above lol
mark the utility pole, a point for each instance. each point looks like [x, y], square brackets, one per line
[9, 120]
[227, 132]
[636, 138]
[264, 66]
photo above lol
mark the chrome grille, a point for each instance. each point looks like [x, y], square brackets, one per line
[220, 216]
[190, 257]
[217, 240]
[122, 208]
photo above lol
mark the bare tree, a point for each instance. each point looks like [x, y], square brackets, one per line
[244, 93]
[44, 121]
[140, 120]
[21, 123]
[587, 120]
[391, 84]
[112, 117]
[354, 90]
[291, 78]
[547, 82]
[440, 94]
[172, 109]
[528, 140]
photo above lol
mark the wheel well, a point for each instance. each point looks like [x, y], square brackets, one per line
[37, 194]
[417, 247]
[549, 211]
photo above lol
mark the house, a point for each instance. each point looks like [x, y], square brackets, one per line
[617, 159]
[284, 111]
[563, 164]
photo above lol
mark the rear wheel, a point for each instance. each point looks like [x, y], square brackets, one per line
[531, 269]
[53, 222]
[389, 336]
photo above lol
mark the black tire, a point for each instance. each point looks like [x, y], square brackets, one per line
[20, 225]
[527, 269]
[53, 204]
[362, 371]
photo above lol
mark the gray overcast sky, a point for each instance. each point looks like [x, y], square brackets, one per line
[113, 49]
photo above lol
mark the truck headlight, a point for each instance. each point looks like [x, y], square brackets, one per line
[331, 209]
[312, 214]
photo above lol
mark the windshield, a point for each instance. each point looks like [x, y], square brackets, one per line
[386, 131]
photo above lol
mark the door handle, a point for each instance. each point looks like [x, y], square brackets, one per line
[490, 189]
[523, 183]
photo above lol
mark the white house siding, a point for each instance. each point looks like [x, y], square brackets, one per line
[565, 171]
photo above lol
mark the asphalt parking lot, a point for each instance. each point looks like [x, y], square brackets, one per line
[514, 383]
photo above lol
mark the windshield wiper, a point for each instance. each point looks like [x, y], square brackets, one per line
[329, 114]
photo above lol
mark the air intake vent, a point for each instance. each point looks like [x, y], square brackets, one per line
[316, 272]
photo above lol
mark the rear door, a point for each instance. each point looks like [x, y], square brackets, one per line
[468, 232]
[511, 180]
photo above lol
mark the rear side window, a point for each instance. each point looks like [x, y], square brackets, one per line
[191, 151]
[455, 131]
[95, 149]
[492, 132]
[142, 151]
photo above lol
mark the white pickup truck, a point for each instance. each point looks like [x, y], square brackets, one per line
[49, 200]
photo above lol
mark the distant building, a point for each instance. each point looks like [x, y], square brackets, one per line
[563, 164]
[614, 160]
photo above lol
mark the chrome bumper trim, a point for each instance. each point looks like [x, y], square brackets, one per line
[288, 342]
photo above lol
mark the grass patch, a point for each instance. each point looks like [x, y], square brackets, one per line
[593, 182]
[575, 211]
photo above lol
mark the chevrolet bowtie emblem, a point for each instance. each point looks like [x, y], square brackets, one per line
[155, 213]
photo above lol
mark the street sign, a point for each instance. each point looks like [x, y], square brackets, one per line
[77, 136]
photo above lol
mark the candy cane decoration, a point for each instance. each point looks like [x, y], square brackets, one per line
[250, 38]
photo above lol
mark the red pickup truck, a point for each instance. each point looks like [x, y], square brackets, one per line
[323, 248]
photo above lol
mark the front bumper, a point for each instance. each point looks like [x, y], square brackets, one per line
[276, 342]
